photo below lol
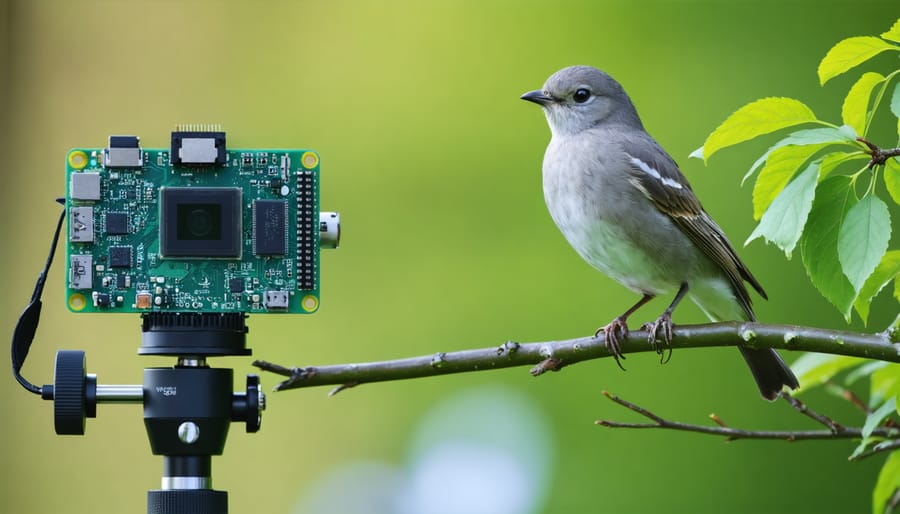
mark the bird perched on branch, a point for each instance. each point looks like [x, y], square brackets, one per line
[623, 204]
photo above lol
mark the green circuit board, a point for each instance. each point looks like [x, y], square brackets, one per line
[196, 227]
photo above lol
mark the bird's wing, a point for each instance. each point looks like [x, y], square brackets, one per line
[657, 176]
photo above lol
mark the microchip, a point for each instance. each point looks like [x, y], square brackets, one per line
[116, 223]
[269, 227]
[120, 281]
[102, 300]
[120, 256]
[236, 285]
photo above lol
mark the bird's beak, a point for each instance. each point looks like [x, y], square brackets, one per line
[537, 97]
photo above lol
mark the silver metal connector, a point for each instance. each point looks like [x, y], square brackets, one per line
[329, 230]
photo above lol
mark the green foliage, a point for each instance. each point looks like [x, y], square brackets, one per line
[808, 193]
[783, 221]
[756, 119]
[849, 53]
[818, 244]
[845, 231]
[888, 482]
[814, 369]
[887, 269]
[863, 239]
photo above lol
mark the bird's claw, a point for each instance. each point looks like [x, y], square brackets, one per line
[659, 334]
[611, 333]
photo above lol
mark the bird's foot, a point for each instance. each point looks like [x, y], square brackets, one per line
[659, 334]
[611, 333]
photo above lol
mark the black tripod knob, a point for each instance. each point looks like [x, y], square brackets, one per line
[248, 407]
[74, 393]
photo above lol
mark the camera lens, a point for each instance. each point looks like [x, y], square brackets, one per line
[201, 222]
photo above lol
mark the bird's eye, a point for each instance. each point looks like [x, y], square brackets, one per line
[581, 95]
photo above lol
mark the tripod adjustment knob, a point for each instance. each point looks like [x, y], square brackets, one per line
[74, 393]
[256, 403]
[248, 406]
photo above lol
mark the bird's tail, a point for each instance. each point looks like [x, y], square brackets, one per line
[769, 371]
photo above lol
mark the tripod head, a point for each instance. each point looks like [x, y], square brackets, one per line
[188, 408]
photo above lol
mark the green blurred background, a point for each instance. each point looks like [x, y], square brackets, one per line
[434, 164]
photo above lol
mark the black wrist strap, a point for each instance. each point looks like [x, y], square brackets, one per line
[27, 325]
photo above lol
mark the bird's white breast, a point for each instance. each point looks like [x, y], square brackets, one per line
[590, 204]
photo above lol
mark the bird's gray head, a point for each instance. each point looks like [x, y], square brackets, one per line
[581, 97]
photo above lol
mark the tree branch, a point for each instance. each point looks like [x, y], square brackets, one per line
[554, 355]
[834, 430]
[879, 155]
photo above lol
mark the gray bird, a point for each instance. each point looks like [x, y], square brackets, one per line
[623, 204]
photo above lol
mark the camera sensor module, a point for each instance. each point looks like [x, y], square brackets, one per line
[200, 222]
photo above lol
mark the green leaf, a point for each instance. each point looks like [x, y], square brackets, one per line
[835, 159]
[888, 482]
[874, 419]
[886, 270]
[864, 371]
[814, 369]
[885, 383]
[895, 100]
[818, 245]
[863, 239]
[780, 167]
[892, 179]
[844, 134]
[861, 447]
[894, 33]
[849, 53]
[755, 119]
[855, 110]
[783, 221]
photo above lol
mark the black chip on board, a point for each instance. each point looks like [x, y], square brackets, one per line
[120, 256]
[236, 285]
[116, 223]
[269, 227]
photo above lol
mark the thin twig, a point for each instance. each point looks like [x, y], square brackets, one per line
[857, 402]
[732, 434]
[894, 502]
[718, 420]
[342, 387]
[801, 407]
[850, 396]
[556, 354]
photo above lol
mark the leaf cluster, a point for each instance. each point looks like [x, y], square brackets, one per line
[820, 187]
